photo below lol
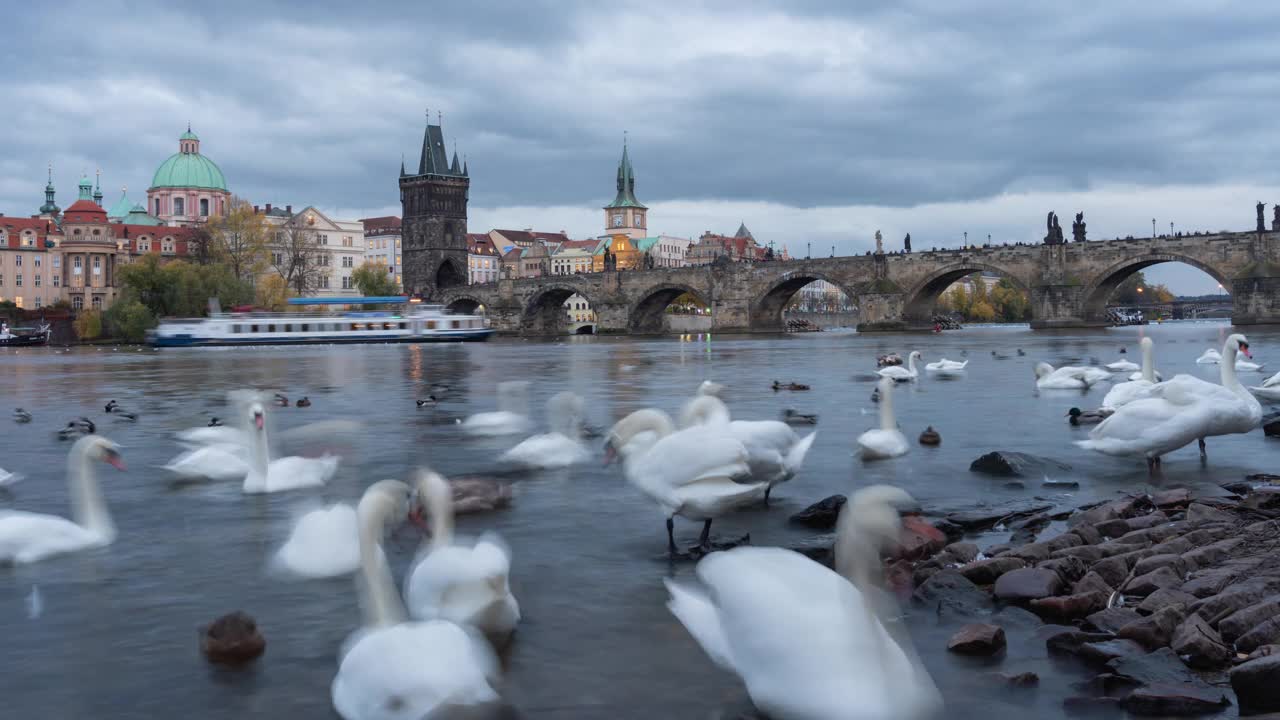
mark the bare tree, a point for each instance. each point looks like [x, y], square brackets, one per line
[202, 246]
[299, 258]
[242, 235]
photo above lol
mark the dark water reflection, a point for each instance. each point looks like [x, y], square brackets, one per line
[117, 637]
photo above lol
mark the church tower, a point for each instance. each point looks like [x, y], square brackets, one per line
[434, 218]
[625, 215]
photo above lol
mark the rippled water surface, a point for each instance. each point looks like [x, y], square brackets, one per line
[117, 634]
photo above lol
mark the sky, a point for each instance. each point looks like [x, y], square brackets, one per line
[815, 123]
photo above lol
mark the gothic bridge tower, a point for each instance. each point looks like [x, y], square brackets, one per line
[434, 210]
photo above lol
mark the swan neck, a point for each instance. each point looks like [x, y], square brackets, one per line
[442, 523]
[382, 605]
[887, 421]
[88, 508]
[1148, 363]
[911, 363]
[643, 421]
[259, 460]
[1228, 368]
[704, 410]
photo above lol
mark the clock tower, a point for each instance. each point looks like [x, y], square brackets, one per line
[626, 215]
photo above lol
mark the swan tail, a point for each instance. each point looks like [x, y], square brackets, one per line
[795, 456]
[695, 611]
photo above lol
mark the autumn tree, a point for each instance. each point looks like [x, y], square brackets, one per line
[299, 258]
[242, 236]
[373, 280]
[271, 293]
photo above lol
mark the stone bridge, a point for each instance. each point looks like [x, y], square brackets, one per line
[1068, 285]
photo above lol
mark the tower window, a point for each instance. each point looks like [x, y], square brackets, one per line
[204, 207]
[157, 212]
[179, 206]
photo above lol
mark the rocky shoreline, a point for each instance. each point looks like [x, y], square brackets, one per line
[1172, 600]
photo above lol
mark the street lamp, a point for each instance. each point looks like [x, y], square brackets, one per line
[1170, 229]
[808, 250]
[966, 238]
[1153, 228]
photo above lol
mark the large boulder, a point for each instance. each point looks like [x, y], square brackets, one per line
[1236, 598]
[1004, 463]
[985, 572]
[1174, 700]
[1160, 667]
[1155, 562]
[1102, 653]
[1111, 620]
[1155, 630]
[1199, 645]
[821, 515]
[1164, 597]
[1255, 683]
[1064, 608]
[1027, 584]
[1266, 632]
[1210, 554]
[952, 591]
[978, 639]
[1069, 640]
[985, 517]
[1092, 582]
[1245, 619]
[1143, 585]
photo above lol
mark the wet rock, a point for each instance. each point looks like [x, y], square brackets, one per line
[821, 515]
[1176, 546]
[981, 639]
[232, 639]
[1211, 554]
[1263, 498]
[1264, 478]
[954, 532]
[1004, 463]
[1027, 584]
[1236, 598]
[1165, 597]
[1103, 512]
[1070, 569]
[1113, 570]
[1091, 707]
[1264, 651]
[983, 518]
[1266, 632]
[1245, 619]
[1208, 534]
[1155, 630]
[962, 552]
[1102, 653]
[1238, 487]
[1112, 619]
[1155, 562]
[1169, 498]
[1271, 424]
[1255, 684]
[1070, 607]
[950, 590]
[919, 540]
[1143, 522]
[1174, 700]
[1199, 645]
[1092, 582]
[1070, 640]
[1199, 512]
[1019, 680]
[1149, 535]
[1113, 528]
[1087, 553]
[1146, 584]
[985, 572]
[1088, 534]
[1159, 667]
[1016, 617]
[1212, 581]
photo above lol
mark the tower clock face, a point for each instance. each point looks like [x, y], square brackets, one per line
[617, 220]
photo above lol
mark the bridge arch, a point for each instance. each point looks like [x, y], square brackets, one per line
[545, 314]
[766, 310]
[1099, 289]
[449, 275]
[463, 303]
[922, 299]
[646, 315]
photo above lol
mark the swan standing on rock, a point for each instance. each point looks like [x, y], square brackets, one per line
[464, 584]
[694, 473]
[510, 418]
[775, 452]
[807, 641]
[1173, 413]
[286, 473]
[1124, 392]
[29, 537]
[901, 374]
[561, 446]
[947, 368]
[395, 669]
[887, 441]
[1068, 378]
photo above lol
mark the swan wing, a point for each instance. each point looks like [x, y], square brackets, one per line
[214, 436]
[219, 461]
[694, 609]
[324, 542]
[27, 537]
[894, 371]
[1271, 381]
[1270, 394]
[773, 434]
[551, 450]
[1126, 392]
[293, 472]
[690, 456]
[498, 422]
[465, 584]
[1123, 366]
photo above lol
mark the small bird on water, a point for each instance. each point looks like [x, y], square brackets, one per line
[1076, 416]
[430, 401]
[215, 422]
[304, 402]
[21, 416]
[930, 437]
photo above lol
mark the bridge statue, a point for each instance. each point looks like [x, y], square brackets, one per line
[1053, 236]
[1275, 221]
[879, 244]
[906, 242]
[1077, 228]
[1262, 225]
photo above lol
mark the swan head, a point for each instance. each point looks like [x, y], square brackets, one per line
[1146, 343]
[257, 416]
[711, 388]
[430, 490]
[1043, 369]
[1239, 343]
[648, 420]
[869, 523]
[914, 354]
[96, 447]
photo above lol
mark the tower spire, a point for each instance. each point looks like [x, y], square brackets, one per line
[49, 207]
[97, 188]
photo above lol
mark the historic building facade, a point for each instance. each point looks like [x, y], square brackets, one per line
[382, 244]
[188, 188]
[339, 247]
[483, 259]
[433, 204]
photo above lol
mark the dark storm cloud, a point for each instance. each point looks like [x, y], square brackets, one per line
[801, 104]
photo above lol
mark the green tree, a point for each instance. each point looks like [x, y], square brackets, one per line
[981, 311]
[242, 237]
[129, 319]
[180, 288]
[88, 324]
[1010, 303]
[1131, 291]
[372, 280]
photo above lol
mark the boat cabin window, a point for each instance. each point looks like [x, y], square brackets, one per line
[403, 326]
[453, 324]
[306, 327]
[253, 328]
[237, 328]
[288, 327]
[271, 327]
[431, 324]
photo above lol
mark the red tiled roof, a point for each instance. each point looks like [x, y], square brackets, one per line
[384, 223]
[84, 211]
[479, 244]
[14, 227]
[531, 236]
[513, 254]
[579, 244]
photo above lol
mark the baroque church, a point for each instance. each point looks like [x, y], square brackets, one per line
[433, 204]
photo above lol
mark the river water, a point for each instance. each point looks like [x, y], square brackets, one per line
[117, 633]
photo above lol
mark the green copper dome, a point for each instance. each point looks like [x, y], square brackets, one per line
[122, 206]
[188, 170]
[188, 135]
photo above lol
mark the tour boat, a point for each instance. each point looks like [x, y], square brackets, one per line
[23, 337]
[418, 323]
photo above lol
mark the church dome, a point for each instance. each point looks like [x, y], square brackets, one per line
[187, 168]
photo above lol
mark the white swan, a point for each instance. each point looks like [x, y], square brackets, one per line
[693, 473]
[887, 441]
[324, 542]
[1178, 411]
[1124, 392]
[27, 537]
[711, 388]
[807, 641]
[775, 452]
[561, 447]
[217, 461]
[947, 368]
[1138, 376]
[1269, 390]
[9, 479]
[1209, 357]
[394, 669]
[1123, 366]
[902, 374]
[1068, 378]
[510, 418]
[286, 473]
[1247, 366]
[465, 584]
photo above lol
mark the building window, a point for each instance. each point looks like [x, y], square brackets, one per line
[17, 280]
[97, 265]
[346, 283]
[39, 302]
[17, 261]
[179, 205]
[348, 261]
[324, 239]
[57, 280]
[37, 260]
[57, 261]
[96, 232]
[204, 207]
[77, 262]
[77, 302]
[97, 302]
[277, 259]
[324, 282]
[346, 241]
[166, 245]
[37, 279]
[324, 261]
[157, 212]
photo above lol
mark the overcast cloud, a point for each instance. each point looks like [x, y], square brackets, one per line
[813, 122]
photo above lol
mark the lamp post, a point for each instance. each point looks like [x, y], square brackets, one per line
[1170, 229]
[966, 238]
[808, 250]
[1153, 228]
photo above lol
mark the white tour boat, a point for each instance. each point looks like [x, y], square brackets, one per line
[416, 323]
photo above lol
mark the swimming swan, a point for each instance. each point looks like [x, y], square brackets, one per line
[886, 441]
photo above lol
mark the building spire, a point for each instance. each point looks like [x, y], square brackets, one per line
[49, 207]
[97, 188]
[401, 164]
[465, 172]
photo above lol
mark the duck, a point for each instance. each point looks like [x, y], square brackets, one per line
[323, 543]
[1068, 377]
[1022, 353]
[930, 437]
[793, 386]
[1076, 416]
[233, 639]
[561, 446]
[21, 416]
[396, 668]
[215, 422]
[947, 368]
[887, 440]
[1209, 357]
[303, 402]
[901, 374]
[464, 583]
[111, 406]
[282, 474]
[699, 473]
[791, 416]
[476, 494]
[775, 453]
[809, 642]
[510, 418]
[77, 428]
[1122, 393]
[428, 401]
[281, 400]
[125, 415]
[999, 356]
[1173, 413]
[27, 537]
